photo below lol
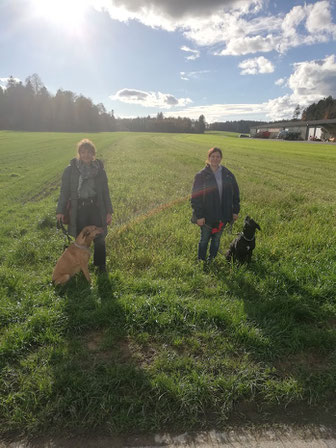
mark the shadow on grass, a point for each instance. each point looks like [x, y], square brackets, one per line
[96, 378]
[99, 380]
[294, 337]
[290, 314]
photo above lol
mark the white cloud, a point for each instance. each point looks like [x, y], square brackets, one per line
[186, 76]
[248, 45]
[302, 25]
[310, 82]
[256, 65]
[315, 19]
[292, 20]
[175, 10]
[3, 81]
[149, 99]
[240, 26]
[280, 82]
[314, 79]
[280, 33]
[222, 112]
[281, 108]
[194, 53]
[319, 19]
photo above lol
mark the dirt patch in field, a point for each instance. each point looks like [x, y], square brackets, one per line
[331, 323]
[148, 355]
[312, 361]
[94, 341]
[122, 353]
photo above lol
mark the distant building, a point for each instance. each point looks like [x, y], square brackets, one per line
[307, 129]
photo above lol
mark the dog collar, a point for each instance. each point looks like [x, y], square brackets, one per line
[82, 247]
[246, 239]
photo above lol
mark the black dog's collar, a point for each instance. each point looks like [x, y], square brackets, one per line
[246, 239]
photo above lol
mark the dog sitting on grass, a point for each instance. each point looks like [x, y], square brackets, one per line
[241, 248]
[76, 257]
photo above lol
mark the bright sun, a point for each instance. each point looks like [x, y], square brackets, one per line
[63, 12]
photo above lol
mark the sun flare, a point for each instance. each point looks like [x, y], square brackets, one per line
[61, 12]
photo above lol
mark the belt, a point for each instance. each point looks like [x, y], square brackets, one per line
[87, 202]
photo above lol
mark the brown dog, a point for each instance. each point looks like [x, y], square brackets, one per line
[76, 257]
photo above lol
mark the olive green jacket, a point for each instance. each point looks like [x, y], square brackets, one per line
[69, 186]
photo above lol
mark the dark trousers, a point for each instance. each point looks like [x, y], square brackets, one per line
[88, 215]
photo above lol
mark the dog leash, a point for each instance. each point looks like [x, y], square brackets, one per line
[67, 237]
[230, 228]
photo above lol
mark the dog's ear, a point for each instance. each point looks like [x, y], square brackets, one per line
[247, 218]
[86, 233]
[258, 226]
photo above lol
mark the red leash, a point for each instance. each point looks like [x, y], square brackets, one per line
[217, 229]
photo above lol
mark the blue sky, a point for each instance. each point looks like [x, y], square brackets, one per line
[228, 60]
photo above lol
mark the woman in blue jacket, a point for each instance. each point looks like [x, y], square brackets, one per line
[215, 201]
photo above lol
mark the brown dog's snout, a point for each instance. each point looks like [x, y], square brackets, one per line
[90, 230]
[95, 232]
[98, 231]
[89, 233]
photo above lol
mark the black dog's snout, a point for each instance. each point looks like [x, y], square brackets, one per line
[256, 225]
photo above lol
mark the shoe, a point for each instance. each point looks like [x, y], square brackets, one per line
[101, 269]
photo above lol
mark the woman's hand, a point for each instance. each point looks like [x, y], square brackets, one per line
[235, 217]
[108, 219]
[59, 217]
[200, 222]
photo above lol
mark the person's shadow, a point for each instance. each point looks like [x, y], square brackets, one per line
[293, 334]
[97, 380]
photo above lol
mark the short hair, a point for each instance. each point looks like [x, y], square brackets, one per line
[86, 144]
[214, 149]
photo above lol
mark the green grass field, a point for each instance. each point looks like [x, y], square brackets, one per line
[160, 343]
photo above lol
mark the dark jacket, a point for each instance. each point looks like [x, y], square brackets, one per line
[205, 196]
[69, 188]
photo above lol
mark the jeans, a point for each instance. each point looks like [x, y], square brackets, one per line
[204, 240]
[89, 215]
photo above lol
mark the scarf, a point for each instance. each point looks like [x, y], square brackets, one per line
[86, 184]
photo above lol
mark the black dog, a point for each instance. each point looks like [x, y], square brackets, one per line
[242, 247]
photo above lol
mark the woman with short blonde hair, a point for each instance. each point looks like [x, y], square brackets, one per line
[84, 184]
[86, 144]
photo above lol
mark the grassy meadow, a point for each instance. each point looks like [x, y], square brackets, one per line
[161, 343]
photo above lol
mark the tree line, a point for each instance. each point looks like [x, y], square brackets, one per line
[30, 107]
[241, 126]
[324, 109]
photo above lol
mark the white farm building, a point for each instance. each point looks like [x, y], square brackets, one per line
[307, 129]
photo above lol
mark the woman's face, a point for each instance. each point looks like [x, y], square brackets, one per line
[215, 159]
[86, 156]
